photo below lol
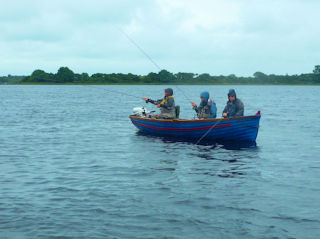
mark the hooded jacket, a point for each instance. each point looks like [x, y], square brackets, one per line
[205, 109]
[234, 108]
[167, 104]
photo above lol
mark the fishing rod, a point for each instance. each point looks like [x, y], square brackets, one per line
[145, 54]
[115, 91]
[140, 49]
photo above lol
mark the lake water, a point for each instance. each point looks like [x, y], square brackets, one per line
[73, 166]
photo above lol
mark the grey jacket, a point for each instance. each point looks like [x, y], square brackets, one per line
[203, 111]
[168, 108]
[234, 108]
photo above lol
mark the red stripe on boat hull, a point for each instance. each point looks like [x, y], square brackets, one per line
[176, 129]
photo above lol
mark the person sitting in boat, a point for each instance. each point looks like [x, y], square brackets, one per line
[234, 107]
[207, 109]
[166, 105]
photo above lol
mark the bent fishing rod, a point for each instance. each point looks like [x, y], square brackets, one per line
[115, 91]
[151, 60]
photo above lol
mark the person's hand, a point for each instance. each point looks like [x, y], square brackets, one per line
[193, 104]
[225, 115]
[202, 118]
[145, 98]
[158, 105]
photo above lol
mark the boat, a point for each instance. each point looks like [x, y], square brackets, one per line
[243, 128]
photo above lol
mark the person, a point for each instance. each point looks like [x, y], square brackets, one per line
[234, 107]
[206, 109]
[166, 105]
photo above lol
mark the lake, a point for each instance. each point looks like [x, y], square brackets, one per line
[73, 166]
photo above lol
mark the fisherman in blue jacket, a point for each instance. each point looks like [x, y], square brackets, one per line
[206, 109]
[234, 107]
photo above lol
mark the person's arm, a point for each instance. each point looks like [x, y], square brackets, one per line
[194, 106]
[225, 111]
[240, 109]
[168, 104]
[155, 102]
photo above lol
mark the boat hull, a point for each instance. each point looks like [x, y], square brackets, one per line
[235, 129]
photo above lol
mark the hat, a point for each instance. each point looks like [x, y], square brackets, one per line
[232, 92]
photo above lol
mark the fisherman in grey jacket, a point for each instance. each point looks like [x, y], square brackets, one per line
[166, 105]
[234, 107]
[206, 109]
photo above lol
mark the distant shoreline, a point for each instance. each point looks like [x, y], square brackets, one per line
[65, 76]
[86, 83]
[260, 84]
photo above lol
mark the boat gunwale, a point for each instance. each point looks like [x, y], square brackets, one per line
[193, 120]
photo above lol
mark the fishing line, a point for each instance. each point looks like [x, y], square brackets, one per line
[114, 91]
[206, 133]
[153, 62]
[143, 52]
[157, 66]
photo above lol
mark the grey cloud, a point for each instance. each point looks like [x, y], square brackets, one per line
[271, 36]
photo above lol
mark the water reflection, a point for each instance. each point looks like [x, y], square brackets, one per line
[223, 159]
[229, 145]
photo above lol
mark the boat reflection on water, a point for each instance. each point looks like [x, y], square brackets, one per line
[229, 145]
[225, 159]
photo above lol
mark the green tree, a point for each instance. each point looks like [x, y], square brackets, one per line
[40, 76]
[64, 75]
[185, 77]
[316, 74]
[84, 77]
[152, 78]
[203, 78]
[166, 76]
[316, 70]
[11, 79]
[260, 77]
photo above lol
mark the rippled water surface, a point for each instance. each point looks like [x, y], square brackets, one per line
[73, 166]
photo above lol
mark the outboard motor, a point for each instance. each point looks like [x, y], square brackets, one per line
[140, 111]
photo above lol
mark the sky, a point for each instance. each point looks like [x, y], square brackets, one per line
[219, 37]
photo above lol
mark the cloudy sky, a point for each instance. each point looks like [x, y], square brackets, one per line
[200, 36]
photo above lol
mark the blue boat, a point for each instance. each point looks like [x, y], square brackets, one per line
[230, 129]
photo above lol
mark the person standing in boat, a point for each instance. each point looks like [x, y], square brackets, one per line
[166, 105]
[206, 109]
[234, 107]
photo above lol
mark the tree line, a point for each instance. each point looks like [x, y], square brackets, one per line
[5, 80]
[67, 76]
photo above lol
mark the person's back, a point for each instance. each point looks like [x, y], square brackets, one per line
[234, 107]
